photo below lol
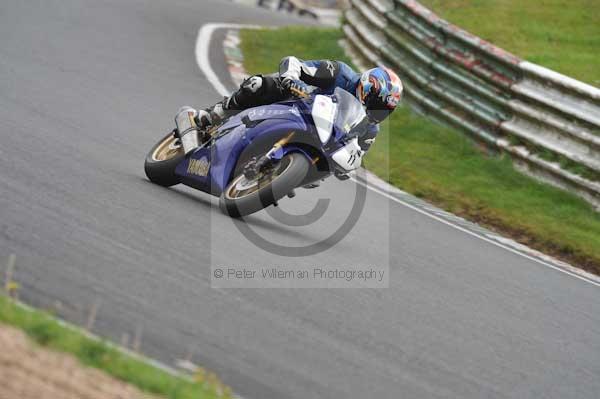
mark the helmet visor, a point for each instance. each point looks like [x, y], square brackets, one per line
[377, 110]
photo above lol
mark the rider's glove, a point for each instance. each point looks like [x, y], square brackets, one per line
[296, 88]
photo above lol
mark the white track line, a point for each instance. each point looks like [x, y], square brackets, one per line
[203, 60]
[574, 273]
[203, 53]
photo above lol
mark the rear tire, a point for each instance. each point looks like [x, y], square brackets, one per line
[294, 168]
[162, 160]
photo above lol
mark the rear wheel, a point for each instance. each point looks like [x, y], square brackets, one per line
[162, 160]
[244, 196]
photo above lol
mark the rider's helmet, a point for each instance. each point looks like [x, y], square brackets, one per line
[380, 91]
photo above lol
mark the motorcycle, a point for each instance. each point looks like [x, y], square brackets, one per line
[259, 156]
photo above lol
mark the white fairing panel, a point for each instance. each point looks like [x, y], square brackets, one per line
[323, 113]
[349, 157]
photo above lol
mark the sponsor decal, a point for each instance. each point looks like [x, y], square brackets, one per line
[198, 167]
[331, 68]
[354, 156]
[262, 112]
[392, 101]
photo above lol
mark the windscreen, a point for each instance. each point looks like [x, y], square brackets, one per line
[351, 117]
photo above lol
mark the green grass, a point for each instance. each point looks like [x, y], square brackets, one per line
[443, 166]
[47, 332]
[558, 34]
[264, 49]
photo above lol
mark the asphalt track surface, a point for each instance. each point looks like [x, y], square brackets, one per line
[86, 87]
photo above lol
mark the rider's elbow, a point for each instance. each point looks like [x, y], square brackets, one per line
[290, 67]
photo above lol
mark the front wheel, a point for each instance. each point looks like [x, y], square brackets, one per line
[242, 196]
[162, 160]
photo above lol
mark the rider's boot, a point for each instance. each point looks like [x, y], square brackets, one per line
[191, 123]
[204, 119]
[254, 91]
[214, 115]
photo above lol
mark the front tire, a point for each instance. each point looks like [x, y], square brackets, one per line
[242, 197]
[162, 160]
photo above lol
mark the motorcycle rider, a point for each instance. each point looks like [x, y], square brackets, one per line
[378, 89]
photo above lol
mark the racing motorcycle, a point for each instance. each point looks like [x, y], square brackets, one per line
[261, 155]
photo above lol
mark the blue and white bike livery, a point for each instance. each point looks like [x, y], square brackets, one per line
[257, 157]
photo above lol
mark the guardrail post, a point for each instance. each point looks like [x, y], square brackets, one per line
[91, 319]
[137, 338]
[11, 287]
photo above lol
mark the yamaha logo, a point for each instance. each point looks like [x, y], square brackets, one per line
[198, 167]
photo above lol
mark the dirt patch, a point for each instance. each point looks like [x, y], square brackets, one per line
[28, 371]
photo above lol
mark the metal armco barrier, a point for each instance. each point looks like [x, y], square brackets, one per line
[547, 122]
[327, 12]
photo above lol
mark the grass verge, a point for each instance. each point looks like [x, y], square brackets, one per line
[48, 332]
[560, 35]
[444, 167]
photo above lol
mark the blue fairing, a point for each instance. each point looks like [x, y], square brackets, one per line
[210, 169]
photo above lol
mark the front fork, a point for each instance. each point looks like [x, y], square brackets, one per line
[266, 162]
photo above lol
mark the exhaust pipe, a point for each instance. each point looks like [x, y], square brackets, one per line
[187, 130]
